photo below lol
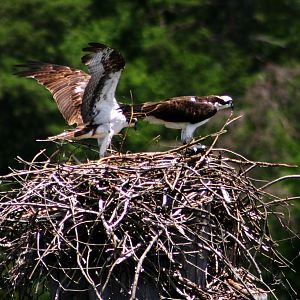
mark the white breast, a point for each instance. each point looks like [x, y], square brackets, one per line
[174, 125]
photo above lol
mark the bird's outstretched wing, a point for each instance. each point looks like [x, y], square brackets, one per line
[66, 85]
[105, 66]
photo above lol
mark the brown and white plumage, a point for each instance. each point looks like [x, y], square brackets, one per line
[66, 85]
[87, 100]
[186, 112]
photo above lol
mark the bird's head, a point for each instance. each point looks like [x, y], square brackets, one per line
[223, 102]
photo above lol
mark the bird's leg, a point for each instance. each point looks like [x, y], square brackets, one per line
[198, 148]
[194, 149]
[187, 136]
[104, 143]
[100, 142]
[184, 138]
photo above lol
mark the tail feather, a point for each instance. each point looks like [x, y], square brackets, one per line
[66, 135]
[72, 134]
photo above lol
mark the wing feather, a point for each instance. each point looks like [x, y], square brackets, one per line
[105, 65]
[179, 109]
[66, 85]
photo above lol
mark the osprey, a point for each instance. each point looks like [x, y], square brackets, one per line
[186, 113]
[87, 100]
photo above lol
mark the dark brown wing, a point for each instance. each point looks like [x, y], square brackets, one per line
[190, 109]
[66, 85]
[105, 65]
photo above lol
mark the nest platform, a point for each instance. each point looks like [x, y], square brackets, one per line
[172, 225]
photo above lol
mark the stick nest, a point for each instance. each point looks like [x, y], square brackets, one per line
[162, 225]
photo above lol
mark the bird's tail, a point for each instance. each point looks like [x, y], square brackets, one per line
[73, 134]
[66, 135]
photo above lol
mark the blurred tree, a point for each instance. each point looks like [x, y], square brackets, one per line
[31, 30]
[269, 131]
[247, 49]
[171, 48]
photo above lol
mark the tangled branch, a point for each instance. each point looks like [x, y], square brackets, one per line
[191, 226]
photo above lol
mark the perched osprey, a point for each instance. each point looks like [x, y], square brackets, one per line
[87, 100]
[186, 113]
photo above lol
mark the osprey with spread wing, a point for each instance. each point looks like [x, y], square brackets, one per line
[87, 100]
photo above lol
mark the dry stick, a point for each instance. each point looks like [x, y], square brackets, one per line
[278, 201]
[279, 179]
[139, 265]
[146, 163]
[130, 121]
[40, 257]
[79, 255]
[217, 134]
[130, 253]
[251, 162]
[222, 130]
[228, 263]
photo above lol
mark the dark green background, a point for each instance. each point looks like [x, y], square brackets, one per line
[247, 49]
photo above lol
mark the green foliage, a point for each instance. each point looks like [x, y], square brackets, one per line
[171, 48]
